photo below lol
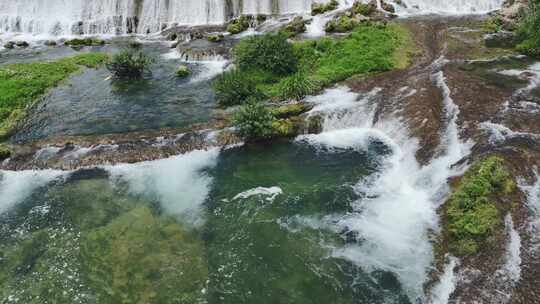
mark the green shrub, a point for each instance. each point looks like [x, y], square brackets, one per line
[254, 121]
[234, 87]
[472, 216]
[296, 87]
[270, 52]
[528, 33]
[129, 63]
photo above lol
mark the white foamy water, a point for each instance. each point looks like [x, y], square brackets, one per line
[446, 285]
[532, 72]
[15, 187]
[499, 133]
[512, 267]
[533, 203]
[399, 205]
[179, 183]
[45, 18]
[447, 7]
[270, 192]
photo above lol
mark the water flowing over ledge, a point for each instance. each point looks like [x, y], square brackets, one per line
[116, 17]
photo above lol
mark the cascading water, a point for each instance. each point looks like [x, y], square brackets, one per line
[399, 204]
[113, 17]
[61, 17]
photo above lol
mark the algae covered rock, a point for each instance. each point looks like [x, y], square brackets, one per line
[215, 38]
[320, 8]
[183, 71]
[341, 24]
[239, 24]
[5, 152]
[295, 27]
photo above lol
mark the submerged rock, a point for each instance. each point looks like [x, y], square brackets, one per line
[22, 44]
[502, 39]
[9, 45]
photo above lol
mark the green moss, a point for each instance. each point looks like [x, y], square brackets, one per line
[140, 258]
[5, 152]
[183, 71]
[295, 27]
[215, 38]
[23, 83]
[239, 24]
[85, 42]
[472, 215]
[492, 25]
[288, 111]
[320, 8]
[366, 9]
[341, 24]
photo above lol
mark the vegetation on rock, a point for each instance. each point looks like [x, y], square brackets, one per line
[85, 42]
[23, 83]
[295, 27]
[365, 9]
[239, 24]
[234, 87]
[254, 121]
[5, 152]
[528, 33]
[129, 63]
[183, 71]
[271, 53]
[341, 24]
[296, 86]
[321, 8]
[215, 38]
[473, 214]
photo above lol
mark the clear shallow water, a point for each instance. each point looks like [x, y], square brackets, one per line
[91, 103]
[190, 222]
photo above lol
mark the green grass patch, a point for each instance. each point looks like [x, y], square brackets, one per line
[473, 216]
[23, 83]
[528, 33]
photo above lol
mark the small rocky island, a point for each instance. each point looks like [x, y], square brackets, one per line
[270, 152]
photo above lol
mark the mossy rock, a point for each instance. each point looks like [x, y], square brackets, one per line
[84, 42]
[341, 24]
[365, 9]
[9, 45]
[295, 27]
[288, 111]
[5, 152]
[239, 24]
[215, 38]
[183, 71]
[473, 216]
[320, 8]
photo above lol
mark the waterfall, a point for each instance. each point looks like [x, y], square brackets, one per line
[113, 17]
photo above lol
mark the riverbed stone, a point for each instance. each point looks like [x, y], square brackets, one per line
[501, 39]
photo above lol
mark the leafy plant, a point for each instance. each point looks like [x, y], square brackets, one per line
[321, 8]
[270, 52]
[296, 86]
[254, 121]
[129, 63]
[234, 87]
[528, 33]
